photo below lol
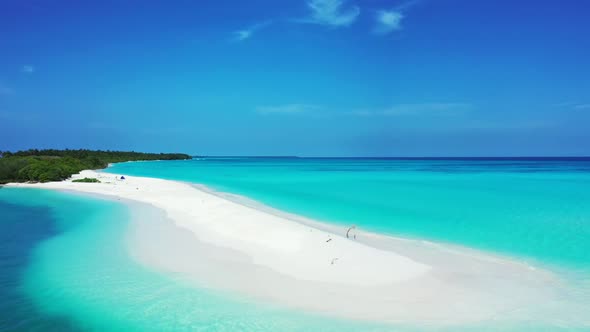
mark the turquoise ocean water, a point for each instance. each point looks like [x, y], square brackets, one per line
[536, 209]
[64, 264]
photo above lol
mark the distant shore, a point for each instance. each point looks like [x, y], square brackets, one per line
[224, 242]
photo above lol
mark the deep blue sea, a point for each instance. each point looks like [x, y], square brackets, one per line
[64, 264]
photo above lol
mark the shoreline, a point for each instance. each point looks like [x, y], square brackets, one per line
[368, 237]
[273, 256]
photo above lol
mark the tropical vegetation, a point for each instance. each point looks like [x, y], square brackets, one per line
[56, 165]
[87, 180]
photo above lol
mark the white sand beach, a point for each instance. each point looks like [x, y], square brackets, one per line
[218, 242]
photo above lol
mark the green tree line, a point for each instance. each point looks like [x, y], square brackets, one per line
[56, 165]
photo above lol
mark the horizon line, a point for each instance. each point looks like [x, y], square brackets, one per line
[390, 157]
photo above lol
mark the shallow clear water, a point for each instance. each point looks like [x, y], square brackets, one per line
[64, 263]
[537, 209]
[21, 229]
[64, 266]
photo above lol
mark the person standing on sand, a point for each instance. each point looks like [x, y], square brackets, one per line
[348, 231]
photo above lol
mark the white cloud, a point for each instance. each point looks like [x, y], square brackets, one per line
[241, 35]
[446, 109]
[331, 13]
[288, 109]
[582, 106]
[388, 21]
[28, 69]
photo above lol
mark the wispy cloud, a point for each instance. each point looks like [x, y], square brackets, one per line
[28, 69]
[445, 109]
[331, 13]
[288, 109]
[416, 109]
[388, 21]
[406, 5]
[572, 105]
[564, 104]
[7, 115]
[247, 33]
[21, 117]
[4, 90]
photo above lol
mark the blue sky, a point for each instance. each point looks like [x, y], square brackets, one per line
[297, 77]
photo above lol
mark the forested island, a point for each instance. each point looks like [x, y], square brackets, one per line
[56, 165]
